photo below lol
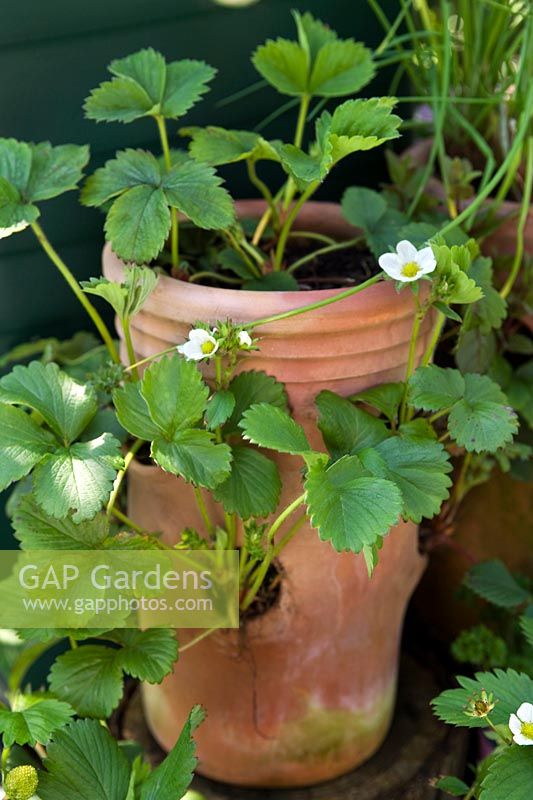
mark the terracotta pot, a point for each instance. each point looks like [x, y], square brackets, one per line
[305, 692]
[500, 505]
[347, 346]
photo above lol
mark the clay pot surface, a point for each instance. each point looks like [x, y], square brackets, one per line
[360, 341]
[305, 692]
[494, 521]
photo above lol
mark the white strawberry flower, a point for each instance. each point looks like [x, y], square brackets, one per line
[407, 263]
[5, 232]
[200, 344]
[521, 724]
[245, 340]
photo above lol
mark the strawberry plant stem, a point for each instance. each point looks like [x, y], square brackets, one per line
[55, 258]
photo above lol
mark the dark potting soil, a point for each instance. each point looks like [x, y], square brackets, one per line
[268, 595]
[339, 269]
[342, 268]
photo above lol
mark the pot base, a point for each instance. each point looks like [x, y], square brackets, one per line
[318, 746]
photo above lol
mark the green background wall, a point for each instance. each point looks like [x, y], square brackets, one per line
[52, 52]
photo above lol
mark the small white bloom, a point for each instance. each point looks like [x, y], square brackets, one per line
[407, 263]
[245, 340]
[521, 724]
[5, 232]
[200, 344]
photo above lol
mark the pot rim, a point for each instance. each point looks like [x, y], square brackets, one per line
[375, 305]
[258, 207]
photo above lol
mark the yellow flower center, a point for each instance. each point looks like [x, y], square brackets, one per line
[208, 347]
[411, 269]
[527, 729]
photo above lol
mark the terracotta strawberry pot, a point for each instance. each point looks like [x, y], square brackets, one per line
[306, 691]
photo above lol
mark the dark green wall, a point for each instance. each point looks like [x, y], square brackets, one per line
[52, 52]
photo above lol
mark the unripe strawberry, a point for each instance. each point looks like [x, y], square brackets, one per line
[21, 783]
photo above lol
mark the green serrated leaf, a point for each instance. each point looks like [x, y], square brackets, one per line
[385, 398]
[130, 168]
[146, 655]
[253, 486]
[313, 34]
[492, 581]
[37, 172]
[510, 775]
[419, 430]
[13, 211]
[489, 312]
[145, 85]
[55, 170]
[32, 718]
[303, 167]
[453, 786]
[66, 405]
[216, 146]
[350, 508]
[358, 125]
[526, 623]
[345, 428]
[419, 470]
[362, 207]
[284, 64]
[175, 394]
[482, 421]
[271, 427]
[118, 100]
[78, 478]
[132, 412]
[475, 350]
[318, 64]
[195, 190]
[520, 343]
[126, 298]
[195, 456]
[15, 163]
[90, 679]
[186, 82]
[448, 312]
[173, 776]
[23, 444]
[253, 387]
[37, 530]
[341, 67]
[509, 688]
[231, 260]
[84, 762]
[219, 408]
[138, 224]
[434, 388]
